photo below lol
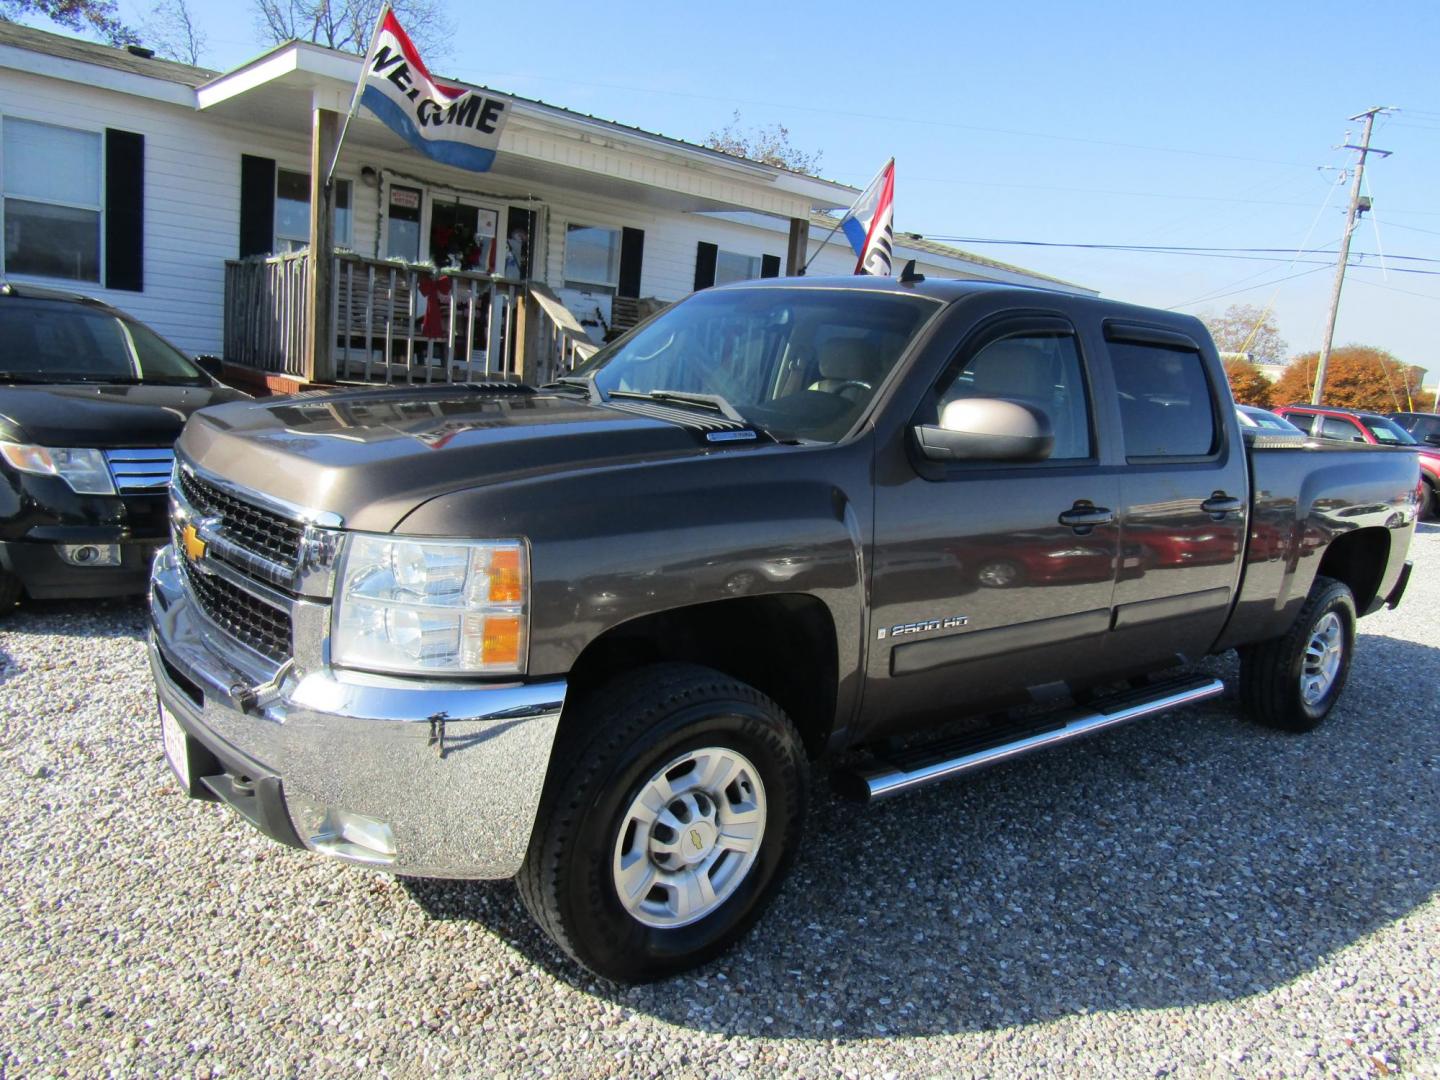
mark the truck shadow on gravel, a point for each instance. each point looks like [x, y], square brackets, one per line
[1190, 859]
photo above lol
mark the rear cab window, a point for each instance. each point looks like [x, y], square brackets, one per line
[1167, 405]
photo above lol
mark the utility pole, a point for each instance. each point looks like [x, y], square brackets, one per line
[1351, 214]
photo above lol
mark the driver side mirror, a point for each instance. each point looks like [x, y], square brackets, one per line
[987, 429]
[211, 365]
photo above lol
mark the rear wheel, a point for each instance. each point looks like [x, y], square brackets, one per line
[670, 816]
[1293, 681]
[1429, 501]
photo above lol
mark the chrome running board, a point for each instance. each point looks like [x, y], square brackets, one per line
[915, 767]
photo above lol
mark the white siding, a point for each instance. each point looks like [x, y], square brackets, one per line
[192, 207]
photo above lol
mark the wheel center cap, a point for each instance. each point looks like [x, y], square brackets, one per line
[697, 840]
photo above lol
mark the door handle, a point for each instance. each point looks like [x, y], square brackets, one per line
[1084, 515]
[1220, 504]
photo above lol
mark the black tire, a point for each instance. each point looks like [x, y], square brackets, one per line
[1271, 672]
[1429, 501]
[10, 593]
[618, 739]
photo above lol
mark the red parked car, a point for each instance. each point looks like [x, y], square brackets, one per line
[1348, 425]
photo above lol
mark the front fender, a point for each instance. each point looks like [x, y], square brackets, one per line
[616, 544]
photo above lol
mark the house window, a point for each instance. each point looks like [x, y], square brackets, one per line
[292, 211]
[732, 267]
[592, 258]
[402, 232]
[462, 236]
[52, 200]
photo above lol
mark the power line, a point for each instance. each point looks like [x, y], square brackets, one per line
[1178, 249]
[896, 118]
[1249, 288]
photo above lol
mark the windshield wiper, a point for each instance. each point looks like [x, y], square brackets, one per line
[686, 397]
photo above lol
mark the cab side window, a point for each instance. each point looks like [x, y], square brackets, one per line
[1303, 420]
[1039, 370]
[1342, 430]
[1166, 406]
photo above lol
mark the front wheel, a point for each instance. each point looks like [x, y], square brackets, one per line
[10, 592]
[673, 808]
[1293, 681]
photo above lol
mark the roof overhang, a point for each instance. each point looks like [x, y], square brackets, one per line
[541, 144]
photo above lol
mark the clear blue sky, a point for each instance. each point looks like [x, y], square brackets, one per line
[1109, 123]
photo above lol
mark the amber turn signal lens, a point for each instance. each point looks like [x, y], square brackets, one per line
[501, 643]
[505, 584]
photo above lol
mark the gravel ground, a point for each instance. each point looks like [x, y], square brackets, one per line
[1189, 896]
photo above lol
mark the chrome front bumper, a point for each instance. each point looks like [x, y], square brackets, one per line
[454, 770]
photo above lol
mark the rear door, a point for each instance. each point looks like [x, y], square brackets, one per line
[1184, 494]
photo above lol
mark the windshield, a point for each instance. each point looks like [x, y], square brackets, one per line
[60, 341]
[1386, 430]
[798, 363]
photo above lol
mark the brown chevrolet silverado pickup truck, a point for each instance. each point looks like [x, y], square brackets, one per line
[590, 635]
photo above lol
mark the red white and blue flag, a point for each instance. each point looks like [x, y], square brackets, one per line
[452, 124]
[869, 224]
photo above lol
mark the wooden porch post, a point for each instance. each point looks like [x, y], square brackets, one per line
[320, 334]
[799, 246]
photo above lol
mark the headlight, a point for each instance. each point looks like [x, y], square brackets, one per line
[431, 606]
[84, 470]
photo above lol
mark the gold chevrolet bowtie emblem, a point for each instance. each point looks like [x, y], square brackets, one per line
[696, 840]
[194, 546]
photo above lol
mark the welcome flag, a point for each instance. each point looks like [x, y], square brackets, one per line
[869, 224]
[452, 124]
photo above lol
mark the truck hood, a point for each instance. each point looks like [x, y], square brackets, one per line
[372, 456]
[100, 415]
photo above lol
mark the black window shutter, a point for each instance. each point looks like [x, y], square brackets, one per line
[705, 265]
[257, 205]
[124, 210]
[632, 254]
[769, 265]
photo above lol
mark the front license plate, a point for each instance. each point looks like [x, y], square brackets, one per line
[176, 751]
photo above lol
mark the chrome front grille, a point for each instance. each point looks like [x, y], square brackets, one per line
[136, 471]
[241, 614]
[255, 566]
[244, 524]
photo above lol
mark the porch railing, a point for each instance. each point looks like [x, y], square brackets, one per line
[397, 322]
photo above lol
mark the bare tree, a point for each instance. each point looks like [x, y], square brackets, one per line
[1247, 328]
[767, 145]
[98, 17]
[171, 31]
[346, 24]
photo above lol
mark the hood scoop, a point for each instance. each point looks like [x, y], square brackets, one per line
[716, 428]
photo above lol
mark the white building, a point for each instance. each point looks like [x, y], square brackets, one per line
[183, 196]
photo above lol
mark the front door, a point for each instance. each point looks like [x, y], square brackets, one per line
[993, 583]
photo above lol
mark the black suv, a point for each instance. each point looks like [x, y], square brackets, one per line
[90, 403]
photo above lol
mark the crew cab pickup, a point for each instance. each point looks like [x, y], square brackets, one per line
[590, 635]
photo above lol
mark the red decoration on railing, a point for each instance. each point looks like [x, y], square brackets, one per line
[436, 291]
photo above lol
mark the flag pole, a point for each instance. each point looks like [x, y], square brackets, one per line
[821, 248]
[359, 88]
[843, 216]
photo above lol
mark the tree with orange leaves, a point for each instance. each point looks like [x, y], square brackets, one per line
[1248, 384]
[1356, 377]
